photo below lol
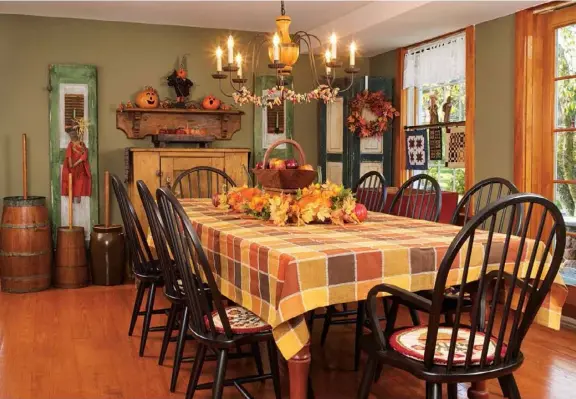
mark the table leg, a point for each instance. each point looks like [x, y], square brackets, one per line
[299, 369]
[478, 391]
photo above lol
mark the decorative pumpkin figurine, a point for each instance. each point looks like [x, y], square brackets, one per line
[210, 102]
[147, 98]
[179, 80]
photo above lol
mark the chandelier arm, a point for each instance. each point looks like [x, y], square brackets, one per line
[349, 85]
[311, 59]
[222, 91]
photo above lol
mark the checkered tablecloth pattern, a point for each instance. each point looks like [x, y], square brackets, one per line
[280, 273]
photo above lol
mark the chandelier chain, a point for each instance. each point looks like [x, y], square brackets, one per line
[282, 9]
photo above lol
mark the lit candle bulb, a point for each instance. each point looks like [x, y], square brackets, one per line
[218, 59]
[276, 44]
[239, 64]
[352, 54]
[328, 57]
[333, 43]
[230, 49]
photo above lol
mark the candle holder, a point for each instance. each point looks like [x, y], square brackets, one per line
[334, 64]
[351, 70]
[276, 65]
[219, 75]
[230, 68]
[239, 80]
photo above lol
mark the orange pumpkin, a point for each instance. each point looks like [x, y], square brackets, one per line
[147, 98]
[210, 102]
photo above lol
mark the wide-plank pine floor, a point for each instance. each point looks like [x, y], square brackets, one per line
[61, 344]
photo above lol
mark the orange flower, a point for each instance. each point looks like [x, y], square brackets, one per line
[258, 202]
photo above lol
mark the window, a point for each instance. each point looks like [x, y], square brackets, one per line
[564, 122]
[437, 70]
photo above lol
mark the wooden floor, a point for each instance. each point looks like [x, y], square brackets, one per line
[74, 344]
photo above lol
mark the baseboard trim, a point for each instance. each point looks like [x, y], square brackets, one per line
[568, 322]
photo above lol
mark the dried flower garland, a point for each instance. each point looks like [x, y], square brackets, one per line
[316, 203]
[277, 94]
[375, 102]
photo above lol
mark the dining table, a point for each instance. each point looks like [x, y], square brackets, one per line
[282, 272]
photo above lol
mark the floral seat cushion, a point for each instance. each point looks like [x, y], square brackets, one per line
[242, 321]
[412, 343]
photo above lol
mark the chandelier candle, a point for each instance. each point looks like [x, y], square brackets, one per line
[276, 43]
[239, 63]
[230, 50]
[328, 57]
[334, 46]
[352, 54]
[218, 59]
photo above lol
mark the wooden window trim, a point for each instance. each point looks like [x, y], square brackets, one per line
[401, 98]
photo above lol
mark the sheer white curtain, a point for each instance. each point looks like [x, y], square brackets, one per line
[436, 63]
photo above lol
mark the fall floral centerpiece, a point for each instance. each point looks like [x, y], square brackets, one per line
[317, 203]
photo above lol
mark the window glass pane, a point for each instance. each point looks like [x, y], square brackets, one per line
[565, 198]
[565, 103]
[565, 156]
[566, 51]
[457, 92]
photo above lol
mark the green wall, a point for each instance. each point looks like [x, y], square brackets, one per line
[384, 64]
[494, 141]
[128, 56]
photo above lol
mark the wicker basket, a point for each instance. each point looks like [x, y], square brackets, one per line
[284, 179]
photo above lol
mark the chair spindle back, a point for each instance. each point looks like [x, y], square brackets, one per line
[371, 191]
[201, 182]
[419, 197]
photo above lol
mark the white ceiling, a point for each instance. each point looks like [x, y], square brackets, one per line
[377, 26]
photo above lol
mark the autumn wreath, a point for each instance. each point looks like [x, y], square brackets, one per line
[375, 102]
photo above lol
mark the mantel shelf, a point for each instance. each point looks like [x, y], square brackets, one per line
[138, 123]
[183, 111]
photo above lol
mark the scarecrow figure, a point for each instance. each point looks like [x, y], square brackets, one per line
[76, 162]
[181, 84]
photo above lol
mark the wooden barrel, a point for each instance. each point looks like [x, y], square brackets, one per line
[25, 245]
[107, 254]
[71, 269]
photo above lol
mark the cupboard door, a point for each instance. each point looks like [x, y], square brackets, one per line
[174, 164]
[235, 166]
[146, 167]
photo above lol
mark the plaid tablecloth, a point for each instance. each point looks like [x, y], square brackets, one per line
[280, 273]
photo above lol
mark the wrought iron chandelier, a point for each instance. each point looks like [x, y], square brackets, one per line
[283, 51]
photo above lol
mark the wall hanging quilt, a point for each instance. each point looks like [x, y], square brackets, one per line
[435, 143]
[416, 151]
[456, 145]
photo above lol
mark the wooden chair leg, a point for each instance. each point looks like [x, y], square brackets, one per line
[414, 316]
[509, 387]
[452, 391]
[196, 370]
[378, 372]
[257, 358]
[327, 321]
[433, 391]
[218, 387]
[168, 332]
[360, 317]
[367, 378]
[386, 306]
[311, 321]
[147, 318]
[274, 369]
[137, 305]
[179, 349]
[449, 318]
[391, 318]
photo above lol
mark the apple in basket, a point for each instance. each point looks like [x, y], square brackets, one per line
[259, 165]
[216, 199]
[361, 212]
[277, 164]
[306, 167]
[292, 164]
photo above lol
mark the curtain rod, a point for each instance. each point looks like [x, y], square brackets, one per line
[447, 124]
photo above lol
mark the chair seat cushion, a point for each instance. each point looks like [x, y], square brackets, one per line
[411, 343]
[242, 321]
